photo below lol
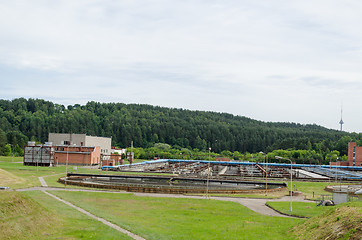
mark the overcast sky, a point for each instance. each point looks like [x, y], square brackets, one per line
[279, 61]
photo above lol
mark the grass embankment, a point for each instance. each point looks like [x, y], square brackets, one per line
[341, 222]
[178, 218]
[35, 215]
[23, 218]
[73, 224]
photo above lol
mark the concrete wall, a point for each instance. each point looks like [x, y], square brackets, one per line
[344, 163]
[74, 139]
[103, 142]
[340, 197]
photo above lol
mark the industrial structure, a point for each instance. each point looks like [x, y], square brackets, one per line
[72, 149]
[50, 155]
[39, 155]
[246, 170]
[169, 184]
[200, 176]
[82, 140]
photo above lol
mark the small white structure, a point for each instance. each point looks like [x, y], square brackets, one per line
[340, 196]
[119, 151]
[359, 194]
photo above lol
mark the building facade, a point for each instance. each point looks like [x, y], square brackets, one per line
[354, 154]
[81, 140]
[76, 155]
[45, 155]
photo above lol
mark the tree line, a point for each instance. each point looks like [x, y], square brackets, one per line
[32, 119]
[165, 151]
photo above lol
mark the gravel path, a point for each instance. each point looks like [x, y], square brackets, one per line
[42, 181]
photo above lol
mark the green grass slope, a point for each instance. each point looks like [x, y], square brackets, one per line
[342, 222]
[35, 215]
[23, 218]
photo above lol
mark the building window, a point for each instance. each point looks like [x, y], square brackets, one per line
[66, 142]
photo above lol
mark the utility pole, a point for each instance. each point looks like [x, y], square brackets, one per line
[208, 175]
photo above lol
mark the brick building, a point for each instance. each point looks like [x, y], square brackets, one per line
[354, 154]
[77, 155]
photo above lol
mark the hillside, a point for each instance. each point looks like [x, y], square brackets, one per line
[22, 218]
[24, 119]
[343, 222]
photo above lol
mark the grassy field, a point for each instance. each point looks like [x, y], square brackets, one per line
[273, 195]
[34, 215]
[300, 209]
[16, 175]
[41, 217]
[172, 218]
[312, 190]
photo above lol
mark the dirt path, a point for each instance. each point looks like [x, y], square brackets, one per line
[114, 226]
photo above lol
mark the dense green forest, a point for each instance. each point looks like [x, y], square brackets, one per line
[32, 119]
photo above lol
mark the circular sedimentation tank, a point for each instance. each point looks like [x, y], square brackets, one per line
[170, 184]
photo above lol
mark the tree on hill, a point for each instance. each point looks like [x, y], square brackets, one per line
[22, 119]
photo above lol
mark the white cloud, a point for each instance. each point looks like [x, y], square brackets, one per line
[270, 60]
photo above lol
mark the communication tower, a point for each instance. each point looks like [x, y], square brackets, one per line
[341, 122]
